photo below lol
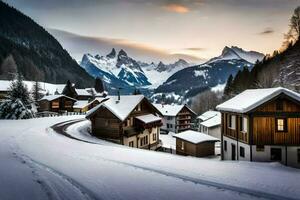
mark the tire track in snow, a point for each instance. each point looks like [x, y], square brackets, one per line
[56, 185]
[255, 193]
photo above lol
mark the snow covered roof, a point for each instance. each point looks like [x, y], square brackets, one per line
[250, 99]
[81, 104]
[170, 110]
[82, 92]
[213, 121]
[120, 109]
[208, 114]
[53, 97]
[195, 137]
[148, 118]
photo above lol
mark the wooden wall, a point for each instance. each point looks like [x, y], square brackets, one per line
[235, 133]
[264, 132]
[106, 125]
[198, 150]
[288, 106]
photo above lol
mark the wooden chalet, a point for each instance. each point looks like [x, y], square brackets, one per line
[177, 118]
[82, 94]
[129, 120]
[262, 125]
[194, 143]
[56, 103]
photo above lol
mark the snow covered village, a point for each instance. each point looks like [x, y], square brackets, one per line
[149, 100]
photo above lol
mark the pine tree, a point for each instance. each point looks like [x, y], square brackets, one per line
[36, 91]
[228, 87]
[99, 87]
[69, 90]
[18, 90]
[136, 91]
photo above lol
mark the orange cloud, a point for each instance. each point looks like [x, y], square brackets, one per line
[177, 8]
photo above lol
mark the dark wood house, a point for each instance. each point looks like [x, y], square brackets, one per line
[129, 120]
[56, 103]
[262, 125]
[194, 143]
[82, 94]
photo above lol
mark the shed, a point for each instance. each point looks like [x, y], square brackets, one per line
[195, 143]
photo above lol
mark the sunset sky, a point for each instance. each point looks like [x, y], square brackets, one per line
[162, 29]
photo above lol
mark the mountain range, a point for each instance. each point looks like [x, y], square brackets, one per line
[190, 81]
[118, 70]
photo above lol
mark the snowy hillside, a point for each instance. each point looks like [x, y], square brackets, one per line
[38, 163]
[191, 81]
[158, 74]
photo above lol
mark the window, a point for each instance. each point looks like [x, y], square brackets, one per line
[275, 154]
[232, 121]
[279, 105]
[243, 124]
[169, 126]
[260, 148]
[169, 118]
[131, 143]
[182, 145]
[281, 125]
[154, 136]
[55, 104]
[138, 108]
[298, 154]
[144, 141]
[68, 104]
[242, 152]
[225, 145]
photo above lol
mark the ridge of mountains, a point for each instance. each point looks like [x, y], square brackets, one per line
[118, 70]
[191, 81]
[28, 48]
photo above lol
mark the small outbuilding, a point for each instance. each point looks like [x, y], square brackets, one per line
[56, 103]
[194, 143]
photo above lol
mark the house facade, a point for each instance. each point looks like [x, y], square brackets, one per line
[210, 123]
[194, 143]
[176, 118]
[128, 120]
[262, 125]
[56, 103]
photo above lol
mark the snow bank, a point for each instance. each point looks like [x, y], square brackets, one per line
[37, 163]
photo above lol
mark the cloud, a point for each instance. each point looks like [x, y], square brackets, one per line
[195, 49]
[178, 8]
[77, 45]
[267, 31]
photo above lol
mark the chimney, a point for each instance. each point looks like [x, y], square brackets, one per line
[119, 96]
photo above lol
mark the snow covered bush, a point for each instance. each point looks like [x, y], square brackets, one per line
[14, 109]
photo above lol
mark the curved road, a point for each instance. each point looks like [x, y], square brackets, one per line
[61, 128]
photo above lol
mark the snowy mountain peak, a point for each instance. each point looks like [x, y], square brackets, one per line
[121, 54]
[236, 53]
[112, 54]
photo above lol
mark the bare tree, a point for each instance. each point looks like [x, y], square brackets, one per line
[8, 69]
[205, 101]
[268, 78]
[294, 31]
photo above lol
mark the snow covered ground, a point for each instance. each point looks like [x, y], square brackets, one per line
[38, 163]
